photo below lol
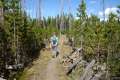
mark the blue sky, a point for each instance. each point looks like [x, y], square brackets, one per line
[52, 7]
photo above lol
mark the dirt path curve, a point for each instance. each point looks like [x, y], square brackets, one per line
[46, 67]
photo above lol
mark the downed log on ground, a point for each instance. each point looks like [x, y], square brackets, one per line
[14, 67]
[71, 60]
[72, 66]
[98, 75]
[88, 73]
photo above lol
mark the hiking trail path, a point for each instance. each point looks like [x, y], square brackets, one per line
[47, 68]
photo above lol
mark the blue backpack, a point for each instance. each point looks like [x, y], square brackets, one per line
[54, 41]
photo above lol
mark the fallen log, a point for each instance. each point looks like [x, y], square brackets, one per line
[88, 73]
[72, 57]
[98, 76]
[15, 67]
[72, 66]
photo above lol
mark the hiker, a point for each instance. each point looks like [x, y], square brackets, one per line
[54, 45]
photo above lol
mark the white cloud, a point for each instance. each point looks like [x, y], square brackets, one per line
[107, 12]
[111, 10]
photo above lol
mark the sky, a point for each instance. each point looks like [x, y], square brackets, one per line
[53, 7]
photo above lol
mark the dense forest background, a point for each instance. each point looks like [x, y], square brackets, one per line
[21, 37]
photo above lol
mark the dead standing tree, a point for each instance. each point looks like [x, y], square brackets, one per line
[38, 13]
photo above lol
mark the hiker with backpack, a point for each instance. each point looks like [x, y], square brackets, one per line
[54, 45]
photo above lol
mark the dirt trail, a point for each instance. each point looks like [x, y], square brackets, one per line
[46, 67]
[52, 71]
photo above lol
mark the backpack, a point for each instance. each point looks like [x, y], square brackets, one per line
[54, 41]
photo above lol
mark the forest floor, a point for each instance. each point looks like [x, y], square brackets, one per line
[46, 67]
